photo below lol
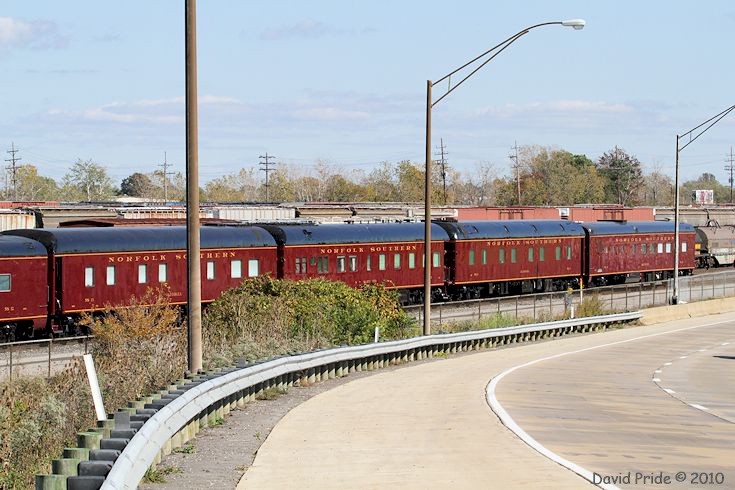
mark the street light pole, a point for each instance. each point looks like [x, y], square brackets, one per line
[574, 23]
[693, 134]
[427, 216]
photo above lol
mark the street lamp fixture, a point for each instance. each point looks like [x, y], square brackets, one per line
[692, 135]
[486, 58]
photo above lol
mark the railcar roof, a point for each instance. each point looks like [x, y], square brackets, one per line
[137, 239]
[15, 246]
[480, 230]
[353, 233]
[633, 227]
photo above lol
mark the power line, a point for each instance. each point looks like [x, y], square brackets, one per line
[517, 168]
[267, 168]
[166, 173]
[13, 169]
[730, 168]
[443, 164]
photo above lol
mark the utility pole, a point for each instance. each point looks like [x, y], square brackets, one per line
[166, 173]
[13, 169]
[443, 164]
[730, 168]
[193, 236]
[267, 168]
[517, 167]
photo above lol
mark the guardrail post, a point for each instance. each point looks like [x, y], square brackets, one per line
[51, 341]
[534, 307]
[516, 307]
[10, 365]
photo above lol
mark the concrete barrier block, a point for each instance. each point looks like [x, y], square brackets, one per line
[65, 466]
[50, 482]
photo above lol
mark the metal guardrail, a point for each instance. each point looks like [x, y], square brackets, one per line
[180, 415]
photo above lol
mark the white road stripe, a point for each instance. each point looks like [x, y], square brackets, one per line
[683, 357]
[657, 371]
[656, 380]
[699, 407]
[511, 424]
[725, 343]
[669, 391]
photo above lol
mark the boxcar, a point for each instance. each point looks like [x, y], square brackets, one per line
[390, 253]
[617, 250]
[93, 268]
[513, 257]
[23, 291]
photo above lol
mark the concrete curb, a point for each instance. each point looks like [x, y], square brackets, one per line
[662, 314]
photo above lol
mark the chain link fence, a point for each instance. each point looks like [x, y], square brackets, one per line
[39, 357]
[548, 306]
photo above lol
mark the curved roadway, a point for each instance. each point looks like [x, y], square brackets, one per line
[609, 403]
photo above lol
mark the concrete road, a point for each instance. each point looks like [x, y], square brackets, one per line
[430, 426]
[637, 410]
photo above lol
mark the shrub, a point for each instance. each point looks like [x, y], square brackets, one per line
[263, 317]
[592, 305]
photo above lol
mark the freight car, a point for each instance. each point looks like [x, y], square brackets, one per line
[715, 246]
[49, 277]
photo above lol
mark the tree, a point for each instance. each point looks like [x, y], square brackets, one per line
[236, 187]
[136, 185]
[34, 187]
[551, 177]
[87, 181]
[623, 175]
[706, 181]
[658, 188]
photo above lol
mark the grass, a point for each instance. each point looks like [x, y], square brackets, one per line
[187, 448]
[271, 393]
[159, 474]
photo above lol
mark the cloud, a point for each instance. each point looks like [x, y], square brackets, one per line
[305, 29]
[333, 114]
[37, 34]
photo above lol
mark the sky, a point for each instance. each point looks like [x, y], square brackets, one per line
[344, 82]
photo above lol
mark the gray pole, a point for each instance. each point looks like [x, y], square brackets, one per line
[675, 292]
[427, 217]
[193, 263]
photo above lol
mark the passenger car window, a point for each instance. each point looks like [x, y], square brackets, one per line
[236, 269]
[89, 277]
[4, 283]
[253, 267]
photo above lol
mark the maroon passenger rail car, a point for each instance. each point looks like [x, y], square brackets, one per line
[356, 254]
[513, 257]
[617, 250]
[23, 290]
[93, 268]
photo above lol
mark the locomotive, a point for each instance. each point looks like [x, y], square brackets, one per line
[48, 277]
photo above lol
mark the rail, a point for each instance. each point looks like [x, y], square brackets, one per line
[178, 414]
